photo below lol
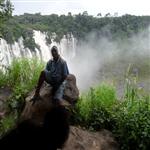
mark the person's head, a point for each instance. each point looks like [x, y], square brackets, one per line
[54, 52]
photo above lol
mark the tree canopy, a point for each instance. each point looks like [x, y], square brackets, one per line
[5, 12]
[79, 25]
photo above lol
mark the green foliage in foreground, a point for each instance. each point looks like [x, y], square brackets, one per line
[24, 73]
[7, 123]
[128, 119]
[96, 103]
[22, 77]
[132, 127]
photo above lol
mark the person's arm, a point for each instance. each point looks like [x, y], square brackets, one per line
[65, 70]
[47, 68]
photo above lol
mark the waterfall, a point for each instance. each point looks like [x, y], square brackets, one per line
[68, 46]
[74, 46]
[8, 52]
[40, 39]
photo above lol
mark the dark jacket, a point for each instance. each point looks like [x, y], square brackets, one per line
[58, 70]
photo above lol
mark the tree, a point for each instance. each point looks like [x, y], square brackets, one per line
[107, 15]
[99, 15]
[69, 14]
[6, 9]
[85, 13]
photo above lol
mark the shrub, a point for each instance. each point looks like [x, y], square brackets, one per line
[132, 127]
[128, 119]
[22, 77]
[93, 108]
[6, 124]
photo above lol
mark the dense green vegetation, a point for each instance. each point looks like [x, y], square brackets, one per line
[79, 25]
[21, 77]
[5, 12]
[128, 118]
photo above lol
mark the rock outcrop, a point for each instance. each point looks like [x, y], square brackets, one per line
[51, 135]
[37, 111]
[80, 139]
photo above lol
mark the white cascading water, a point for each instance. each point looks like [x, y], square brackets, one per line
[16, 50]
[67, 47]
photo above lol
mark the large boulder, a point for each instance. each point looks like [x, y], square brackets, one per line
[54, 133]
[80, 139]
[51, 135]
[37, 111]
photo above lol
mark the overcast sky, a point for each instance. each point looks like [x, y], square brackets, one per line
[133, 7]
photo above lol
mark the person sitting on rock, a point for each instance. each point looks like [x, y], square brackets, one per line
[55, 73]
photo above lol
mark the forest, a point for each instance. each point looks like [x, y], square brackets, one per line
[79, 25]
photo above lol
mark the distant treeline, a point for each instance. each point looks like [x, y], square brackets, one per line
[79, 25]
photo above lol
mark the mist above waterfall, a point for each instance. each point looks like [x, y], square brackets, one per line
[99, 59]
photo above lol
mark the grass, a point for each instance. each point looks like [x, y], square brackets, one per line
[96, 102]
[7, 123]
[23, 72]
[132, 124]
[22, 77]
[128, 119]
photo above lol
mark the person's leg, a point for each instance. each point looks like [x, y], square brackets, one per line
[58, 94]
[54, 89]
